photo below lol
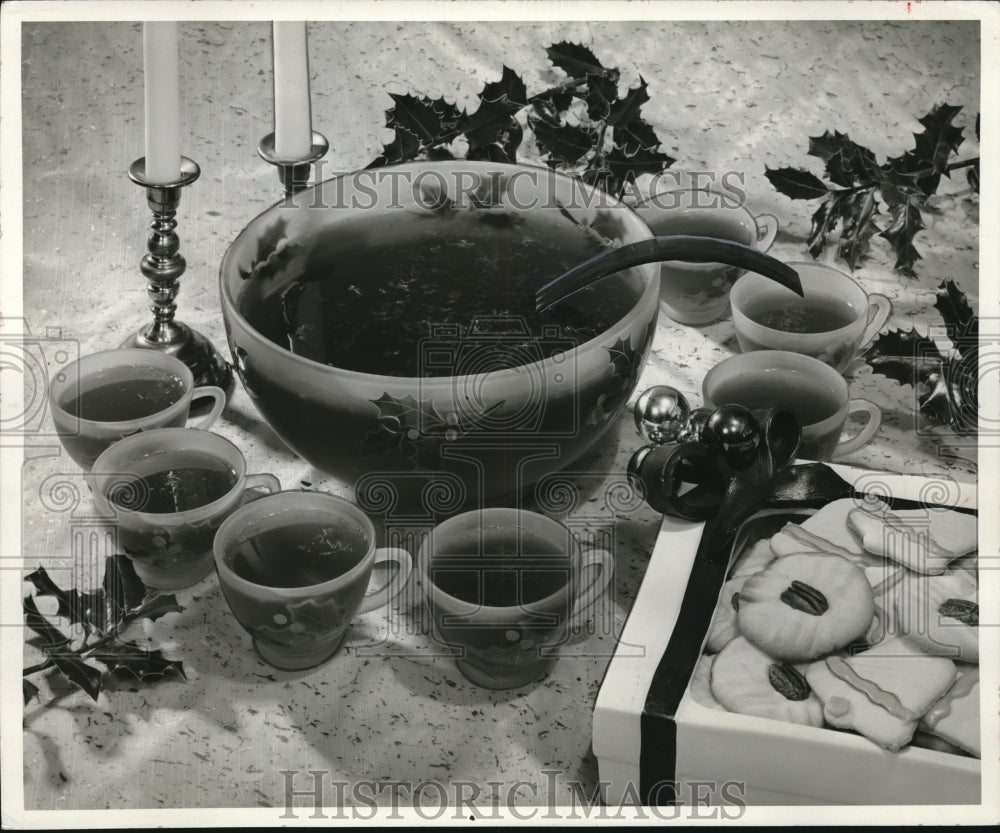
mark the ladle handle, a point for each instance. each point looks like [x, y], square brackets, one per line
[658, 249]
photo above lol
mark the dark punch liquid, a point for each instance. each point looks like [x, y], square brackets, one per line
[300, 554]
[127, 399]
[512, 567]
[382, 303]
[805, 315]
[172, 482]
[809, 400]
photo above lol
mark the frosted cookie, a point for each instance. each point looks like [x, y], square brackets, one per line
[805, 605]
[940, 614]
[748, 681]
[753, 560]
[827, 531]
[921, 540]
[881, 693]
[701, 687]
[828, 524]
[955, 717]
[884, 623]
[723, 628]
[793, 538]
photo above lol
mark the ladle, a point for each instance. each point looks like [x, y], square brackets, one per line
[673, 247]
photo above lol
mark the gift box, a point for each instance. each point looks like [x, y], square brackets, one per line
[657, 745]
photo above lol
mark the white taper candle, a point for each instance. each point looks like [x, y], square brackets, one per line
[292, 116]
[163, 101]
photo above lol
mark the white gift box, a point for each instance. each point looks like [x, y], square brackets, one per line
[656, 745]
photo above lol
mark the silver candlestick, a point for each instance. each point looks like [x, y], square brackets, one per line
[162, 266]
[294, 173]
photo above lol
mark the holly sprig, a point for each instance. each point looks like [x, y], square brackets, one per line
[102, 615]
[946, 382]
[859, 190]
[584, 124]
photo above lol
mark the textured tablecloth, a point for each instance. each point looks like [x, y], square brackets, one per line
[723, 97]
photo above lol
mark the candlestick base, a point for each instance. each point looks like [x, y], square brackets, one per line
[194, 349]
[294, 173]
[162, 267]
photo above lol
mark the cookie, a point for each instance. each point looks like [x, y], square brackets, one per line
[955, 716]
[922, 541]
[701, 686]
[746, 680]
[827, 531]
[828, 524]
[940, 614]
[753, 559]
[805, 605]
[881, 693]
[884, 623]
[723, 628]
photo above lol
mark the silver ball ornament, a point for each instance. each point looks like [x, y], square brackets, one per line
[735, 431]
[696, 424]
[661, 414]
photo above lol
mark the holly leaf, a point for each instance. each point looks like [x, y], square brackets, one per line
[623, 358]
[404, 426]
[946, 389]
[503, 150]
[910, 171]
[602, 94]
[121, 599]
[404, 146]
[797, 183]
[624, 168]
[852, 166]
[428, 120]
[499, 101]
[847, 163]
[156, 607]
[900, 193]
[52, 637]
[86, 609]
[77, 671]
[637, 136]
[939, 139]
[906, 222]
[928, 161]
[140, 662]
[958, 315]
[627, 109]
[509, 91]
[972, 177]
[909, 358]
[29, 690]
[908, 345]
[407, 413]
[45, 586]
[577, 61]
[858, 211]
[123, 590]
[828, 145]
[553, 104]
[565, 144]
[904, 183]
